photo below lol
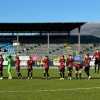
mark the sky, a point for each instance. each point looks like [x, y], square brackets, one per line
[49, 11]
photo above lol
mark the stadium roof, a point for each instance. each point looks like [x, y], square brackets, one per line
[39, 27]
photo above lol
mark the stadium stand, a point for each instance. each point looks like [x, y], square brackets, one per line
[37, 44]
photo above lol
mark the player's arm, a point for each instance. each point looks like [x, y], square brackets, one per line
[93, 56]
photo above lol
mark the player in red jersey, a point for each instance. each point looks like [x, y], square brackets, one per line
[29, 68]
[45, 62]
[17, 64]
[1, 67]
[78, 64]
[62, 67]
[97, 60]
[86, 63]
[78, 70]
[69, 65]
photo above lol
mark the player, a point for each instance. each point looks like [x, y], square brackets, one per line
[97, 60]
[9, 59]
[78, 66]
[78, 70]
[30, 68]
[1, 67]
[46, 66]
[62, 67]
[17, 64]
[69, 65]
[86, 63]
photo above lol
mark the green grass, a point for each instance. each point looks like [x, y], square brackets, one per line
[56, 89]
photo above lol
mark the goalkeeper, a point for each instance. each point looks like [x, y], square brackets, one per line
[9, 65]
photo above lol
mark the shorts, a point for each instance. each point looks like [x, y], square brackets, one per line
[62, 69]
[1, 69]
[30, 70]
[70, 69]
[97, 62]
[46, 69]
[87, 69]
[77, 68]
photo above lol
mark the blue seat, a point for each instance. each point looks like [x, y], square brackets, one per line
[9, 47]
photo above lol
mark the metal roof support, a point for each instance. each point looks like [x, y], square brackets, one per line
[79, 42]
[17, 42]
[48, 42]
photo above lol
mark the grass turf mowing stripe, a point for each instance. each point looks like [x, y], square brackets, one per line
[45, 90]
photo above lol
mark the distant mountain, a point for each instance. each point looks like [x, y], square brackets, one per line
[89, 29]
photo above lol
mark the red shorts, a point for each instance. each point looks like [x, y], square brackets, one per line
[46, 68]
[1, 69]
[62, 69]
[30, 69]
[78, 65]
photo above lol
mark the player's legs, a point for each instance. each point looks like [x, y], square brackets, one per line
[28, 74]
[69, 73]
[87, 72]
[96, 64]
[18, 72]
[46, 72]
[60, 72]
[80, 73]
[1, 73]
[31, 73]
[76, 72]
[63, 73]
[19, 75]
[98, 68]
[95, 67]
[9, 72]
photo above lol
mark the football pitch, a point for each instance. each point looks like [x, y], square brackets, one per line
[39, 88]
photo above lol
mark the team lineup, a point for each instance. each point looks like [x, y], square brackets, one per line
[78, 63]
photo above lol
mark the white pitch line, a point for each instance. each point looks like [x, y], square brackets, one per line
[70, 89]
[47, 90]
[12, 91]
